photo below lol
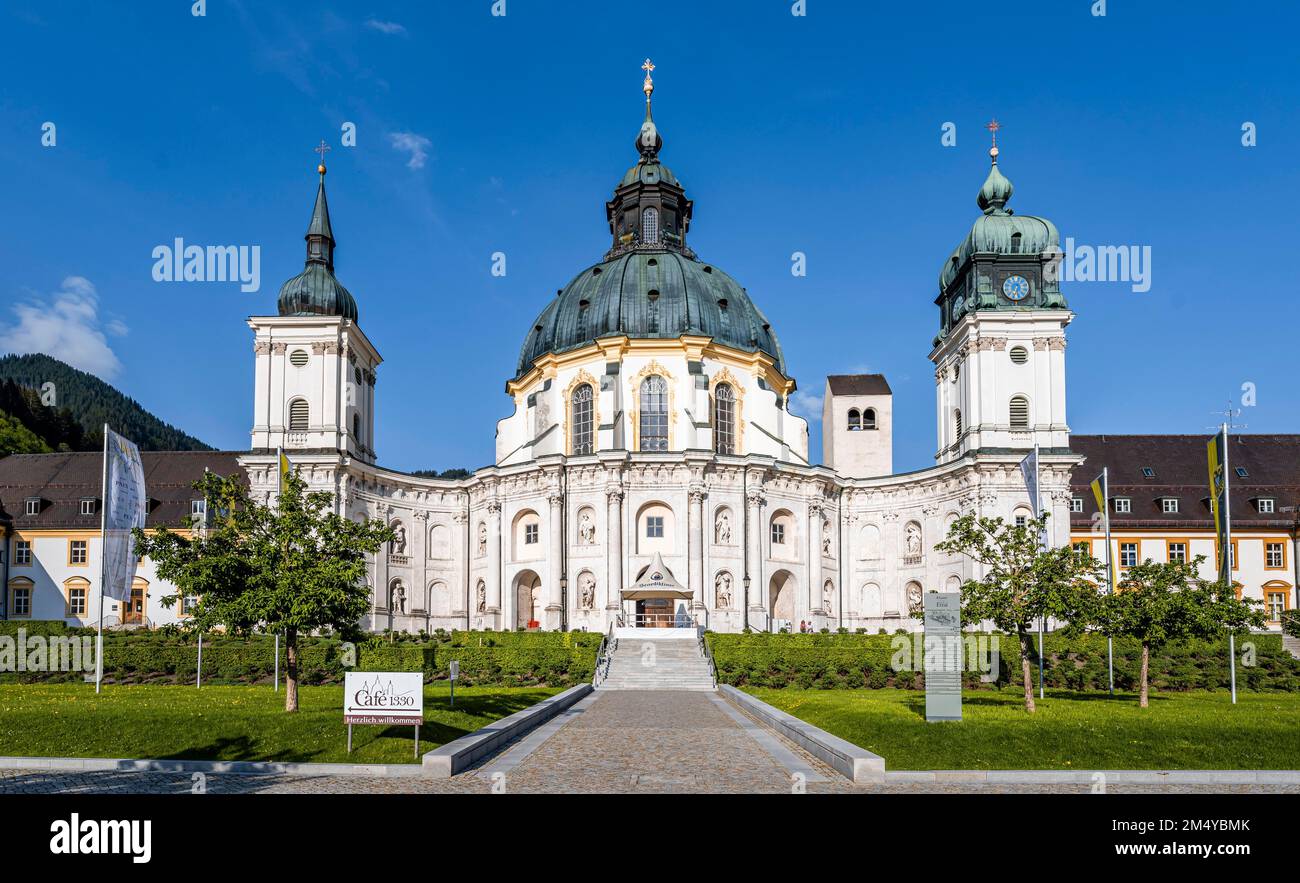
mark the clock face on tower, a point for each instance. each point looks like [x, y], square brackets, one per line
[1016, 288]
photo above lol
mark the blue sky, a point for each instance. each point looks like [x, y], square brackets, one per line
[479, 134]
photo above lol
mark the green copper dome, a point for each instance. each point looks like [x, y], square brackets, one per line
[315, 291]
[999, 231]
[650, 294]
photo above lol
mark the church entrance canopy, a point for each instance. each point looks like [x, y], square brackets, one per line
[657, 582]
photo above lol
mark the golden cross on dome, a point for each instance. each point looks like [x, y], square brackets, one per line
[993, 127]
[649, 85]
[322, 150]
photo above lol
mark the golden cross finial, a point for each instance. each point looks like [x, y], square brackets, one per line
[322, 150]
[649, 85]
[993, 126]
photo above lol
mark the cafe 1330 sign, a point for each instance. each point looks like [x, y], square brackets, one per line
[383, 697]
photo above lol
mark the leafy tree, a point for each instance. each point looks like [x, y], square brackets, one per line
[15, 438]
[1022, 581]
[1157, 602]
[296, 567]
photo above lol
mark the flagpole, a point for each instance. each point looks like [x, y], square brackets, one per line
[1042, 620]
[1110, 575]
[103, 565]
[1227, 559]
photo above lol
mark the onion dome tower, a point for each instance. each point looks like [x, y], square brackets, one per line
[1006, 261]
[1000, 351]
[315, 291]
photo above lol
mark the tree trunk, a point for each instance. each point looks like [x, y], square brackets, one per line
[290, 670]
[1146, 668]
[1026, 668]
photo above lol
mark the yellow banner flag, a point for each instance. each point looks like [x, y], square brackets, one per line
[1098, 495]
[284, 471]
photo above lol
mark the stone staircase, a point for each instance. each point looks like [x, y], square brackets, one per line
[649, 663]
[1291, 645]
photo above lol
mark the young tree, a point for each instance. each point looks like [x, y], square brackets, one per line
[1157, 602]
[1022, 582]
[295, 567]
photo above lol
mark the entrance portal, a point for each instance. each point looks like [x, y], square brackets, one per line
[655, 613]
[528, 600]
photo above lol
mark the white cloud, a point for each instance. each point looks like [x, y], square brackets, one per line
[65, 325]
[385, 27]
[416, 145]
[807, 406]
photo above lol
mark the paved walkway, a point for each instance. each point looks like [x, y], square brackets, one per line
[621, 742]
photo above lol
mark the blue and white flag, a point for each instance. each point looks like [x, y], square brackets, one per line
[124, 508]
[1029, 469]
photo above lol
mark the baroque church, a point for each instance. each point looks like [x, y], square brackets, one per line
[649, 469]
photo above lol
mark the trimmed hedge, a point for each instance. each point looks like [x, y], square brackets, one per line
[840, 661]
[486, 658]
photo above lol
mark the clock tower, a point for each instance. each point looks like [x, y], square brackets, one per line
[1000, 352]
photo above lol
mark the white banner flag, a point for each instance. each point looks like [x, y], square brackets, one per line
[1029, 469]
[124, 508]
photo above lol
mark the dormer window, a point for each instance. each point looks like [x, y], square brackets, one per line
[1123, 505]
[1169, 505]
[32, 506]
[1265, 505]
[88, 505]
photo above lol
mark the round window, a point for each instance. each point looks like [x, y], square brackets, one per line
[298, 358]
[1019, 355]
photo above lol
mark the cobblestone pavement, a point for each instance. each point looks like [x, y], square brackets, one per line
[621, 742]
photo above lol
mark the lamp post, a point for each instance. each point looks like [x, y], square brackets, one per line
[746, 604]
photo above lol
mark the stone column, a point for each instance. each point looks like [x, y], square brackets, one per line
[555, 599]
[816, 603]
[614, 549]
[464, 590]
[420, 550]
[754, 554]
[695, 537]
[850, 593]
[494, 559]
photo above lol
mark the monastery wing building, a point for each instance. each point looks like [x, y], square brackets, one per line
[650, 469]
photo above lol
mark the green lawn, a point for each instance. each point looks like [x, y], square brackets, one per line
[1069, 730]
[232, 723]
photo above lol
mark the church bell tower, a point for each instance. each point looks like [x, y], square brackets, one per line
[1000, 352]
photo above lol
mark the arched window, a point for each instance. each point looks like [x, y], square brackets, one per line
[869, 418]
[356, 427]
[653, 428]
[650, 226]
[1019, 412]
[298, 414]
[956, 419]
[581, 416]
[855, 420]
[724, 419]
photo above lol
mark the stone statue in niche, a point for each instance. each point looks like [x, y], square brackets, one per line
[586, 529]
[398, 544]
[914, 599]
[482, 540]
[722, 587]
[722, 530]
[913, 539]
[587, 591]
[482, 598]
[827, 540]
[828, 597]
[399, 598]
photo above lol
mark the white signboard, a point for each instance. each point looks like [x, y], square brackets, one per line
[454, 669]
[124, 508]
[943, 651]
[383, 697]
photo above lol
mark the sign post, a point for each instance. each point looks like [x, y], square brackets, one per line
[943, 653]
[384, 697]
[454, 672]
